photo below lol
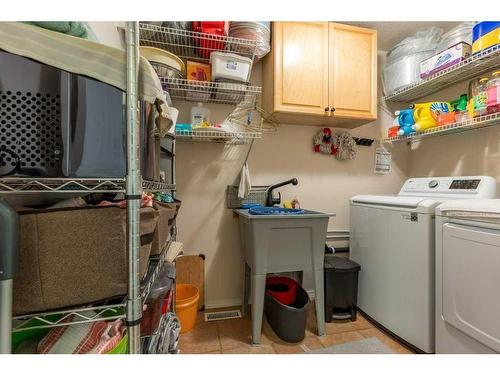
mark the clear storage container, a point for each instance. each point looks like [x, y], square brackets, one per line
[230, 67]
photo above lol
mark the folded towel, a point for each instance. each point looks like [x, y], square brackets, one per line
[245, 183]
[480, 208]
[78, 29]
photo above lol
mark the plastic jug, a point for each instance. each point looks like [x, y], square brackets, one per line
[405, 117]
[199, 115]
[493, 91]
[425, 114]
[480, 97]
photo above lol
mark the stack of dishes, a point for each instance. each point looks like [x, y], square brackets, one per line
[259, 31]
[165, 64]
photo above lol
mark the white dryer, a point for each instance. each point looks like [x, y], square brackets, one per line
[392, 238]
[468, 277]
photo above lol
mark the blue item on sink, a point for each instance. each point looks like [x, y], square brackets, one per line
[246, 206]
[275, 211]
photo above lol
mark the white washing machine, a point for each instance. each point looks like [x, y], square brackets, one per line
[468, 277]
[393, 238]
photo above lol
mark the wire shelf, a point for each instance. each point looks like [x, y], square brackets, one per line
[211, 92]
[472, 67]
[15, 185]
[217, 136]
[43, 320]
[457, 127]
[193, 45]
[21, 185]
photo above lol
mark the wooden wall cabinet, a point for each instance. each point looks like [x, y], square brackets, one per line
[321, 73]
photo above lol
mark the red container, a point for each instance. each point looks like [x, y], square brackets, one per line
[211, 42]
[283, 289]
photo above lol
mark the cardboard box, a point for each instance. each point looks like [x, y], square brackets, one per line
[197, 71]
[449, 57]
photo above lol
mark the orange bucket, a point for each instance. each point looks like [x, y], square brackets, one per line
[186, 305]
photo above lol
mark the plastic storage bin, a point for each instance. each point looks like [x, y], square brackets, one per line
[485, 35]
[402, 67]
[288, 321]
[230, 67]
[210, 43]
[341, 288]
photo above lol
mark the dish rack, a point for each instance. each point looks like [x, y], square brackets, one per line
[193, 45]
[126, 307]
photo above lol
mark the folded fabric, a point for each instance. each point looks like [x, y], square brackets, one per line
[78, 29]
[480, 208]
[146, 201]
[85, 57]
[85, 338]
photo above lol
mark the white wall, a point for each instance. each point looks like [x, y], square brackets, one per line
[204, 170]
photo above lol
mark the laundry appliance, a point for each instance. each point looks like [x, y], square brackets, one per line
[393, 239]
[468, 276]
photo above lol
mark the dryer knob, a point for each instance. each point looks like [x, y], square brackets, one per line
[433, 184]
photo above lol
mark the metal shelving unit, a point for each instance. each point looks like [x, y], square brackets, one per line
[218, 136]
[132, 185]
[211, 92]
[457, 127]
[43, 320]
[193, 45]
[474, 66]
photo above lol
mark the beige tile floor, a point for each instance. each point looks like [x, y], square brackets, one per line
[234, 336]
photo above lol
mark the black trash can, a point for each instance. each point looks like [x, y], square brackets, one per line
[288, 321]
[341, 288]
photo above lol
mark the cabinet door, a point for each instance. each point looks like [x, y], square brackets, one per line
[353, 71]
[301, 67]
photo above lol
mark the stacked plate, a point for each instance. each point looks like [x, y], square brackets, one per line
[259, 31]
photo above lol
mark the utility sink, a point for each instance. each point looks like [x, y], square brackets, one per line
[281, 241]
[259, 210]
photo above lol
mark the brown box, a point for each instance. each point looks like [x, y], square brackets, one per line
[76, 256]
[168, 212]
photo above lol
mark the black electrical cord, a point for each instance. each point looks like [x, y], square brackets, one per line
[17, 166]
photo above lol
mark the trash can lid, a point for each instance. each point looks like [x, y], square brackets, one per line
[341, 264]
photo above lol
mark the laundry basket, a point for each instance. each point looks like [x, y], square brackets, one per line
[186, 304]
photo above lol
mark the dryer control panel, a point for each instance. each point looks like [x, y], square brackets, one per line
[450, 187]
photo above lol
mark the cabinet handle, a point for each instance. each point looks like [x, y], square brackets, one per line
[332, 109]
[327, 109]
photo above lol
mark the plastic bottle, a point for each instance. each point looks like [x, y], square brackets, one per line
[493, 91]
[199, 114]
[481, 97]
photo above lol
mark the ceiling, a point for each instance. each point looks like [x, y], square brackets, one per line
[390, 33]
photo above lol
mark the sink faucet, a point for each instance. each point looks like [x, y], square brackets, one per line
[270, 201]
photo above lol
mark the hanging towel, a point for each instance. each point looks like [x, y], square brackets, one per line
[245, 183]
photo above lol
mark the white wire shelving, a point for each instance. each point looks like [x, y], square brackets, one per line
[32, 185]
[474, 66]
[66, 317]
[188, 44]
[457, 127]
[218, 136]
[211, 92]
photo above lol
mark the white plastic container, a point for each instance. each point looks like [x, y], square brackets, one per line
[229, 66]
[199, 114]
